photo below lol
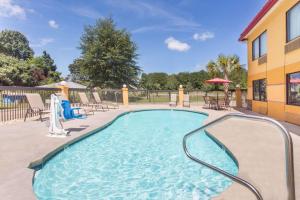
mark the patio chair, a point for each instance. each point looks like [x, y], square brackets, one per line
[221, 104]
[69, 112]
[213, 102]
[85, 102]
[35, 105]
[99, 101]
[206, 102]
[173, 101]
[186, 100]
[227, 103]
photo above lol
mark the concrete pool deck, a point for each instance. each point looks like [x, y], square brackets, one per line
[22, 143]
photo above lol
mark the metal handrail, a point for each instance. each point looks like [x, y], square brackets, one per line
[288, 151]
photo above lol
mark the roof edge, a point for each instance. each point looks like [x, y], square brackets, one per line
[265, 9]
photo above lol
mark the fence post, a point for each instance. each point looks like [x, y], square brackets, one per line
[125, 95]
[238, 97]
[64, 90]
[180, 95]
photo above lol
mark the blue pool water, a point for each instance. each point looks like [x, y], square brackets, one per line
[139, 156]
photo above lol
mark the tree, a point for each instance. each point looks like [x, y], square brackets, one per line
[44, 69]
[192, 80]
[108, 56]
[19, 67]
[15, 44]
[49, 62]
[197, 79]
[183, 78]
[239, 77]
[154, 81]
[172, 82]
[164, 81]
[75, 73]
[16, 72]
[224, 65]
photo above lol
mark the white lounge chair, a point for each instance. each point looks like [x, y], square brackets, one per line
[85, 102]
[36, 105]
[108, 104]
[173, 101]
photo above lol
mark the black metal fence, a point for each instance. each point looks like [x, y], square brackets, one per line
[150, 96]
[164, 96]
[13, 103]
[111, 95]
[106, 95]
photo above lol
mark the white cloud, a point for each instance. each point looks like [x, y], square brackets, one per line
[150, 10]
[43, 42]
[203, 36]
[53, 24]
[87, 12]
[10, 9]
[176, 45]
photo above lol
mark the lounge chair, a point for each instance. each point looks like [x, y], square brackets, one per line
[85, 102]
[173, 101]
[186, 100]
[35, 105]
[99, 101]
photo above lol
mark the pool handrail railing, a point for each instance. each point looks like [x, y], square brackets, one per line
[288, 154]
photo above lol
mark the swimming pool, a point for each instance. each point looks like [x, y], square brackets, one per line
[139, 156]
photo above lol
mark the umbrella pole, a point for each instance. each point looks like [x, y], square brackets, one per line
[217, 100]
[217, 96]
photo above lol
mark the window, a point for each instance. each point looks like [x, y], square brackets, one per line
[263, 44]
[259, 46]
[293, 89]
[255, 49]
[259, 90]
[293, 22]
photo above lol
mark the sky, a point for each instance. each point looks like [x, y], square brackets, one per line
[172, 35]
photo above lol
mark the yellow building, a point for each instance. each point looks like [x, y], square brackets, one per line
[273, 41]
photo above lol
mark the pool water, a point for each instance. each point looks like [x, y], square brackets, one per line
[139, 156]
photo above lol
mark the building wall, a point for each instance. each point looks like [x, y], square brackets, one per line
[277, 66]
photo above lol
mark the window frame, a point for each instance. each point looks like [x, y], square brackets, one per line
[287, 88]
[287, 24]
[253, 49]
[261, 55]
[259, 46]
[259, 90]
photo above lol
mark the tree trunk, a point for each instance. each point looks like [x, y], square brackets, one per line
[226, 86]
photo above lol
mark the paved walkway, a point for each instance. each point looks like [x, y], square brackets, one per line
[22, 143]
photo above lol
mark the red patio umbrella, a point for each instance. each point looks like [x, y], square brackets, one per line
[295, 80]
[218, 81]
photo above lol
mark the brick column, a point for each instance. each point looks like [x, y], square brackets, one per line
[125, 95]
[180, 95]
[64, 90]
[238, 97]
